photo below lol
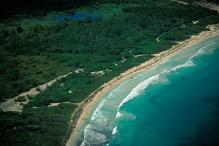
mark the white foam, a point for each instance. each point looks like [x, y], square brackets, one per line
[93, 137]
[203, 50]
[206, 49]
[143, 85]
[97, 113]
[101, 121]
[114, 130]
[186, 64]
[118, 115]
[199, 52]
[138, 89]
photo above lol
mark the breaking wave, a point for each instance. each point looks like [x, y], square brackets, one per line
[143, 85]
[114, 130]
[97, 113]
[96, 131]
[93, 137]
[202, 51]
[118, 114]
[138, 89]
[186, 64]
[205, 49]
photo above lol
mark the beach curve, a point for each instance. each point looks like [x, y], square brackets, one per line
[83, 110]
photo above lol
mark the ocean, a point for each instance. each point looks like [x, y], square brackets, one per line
[173, 104]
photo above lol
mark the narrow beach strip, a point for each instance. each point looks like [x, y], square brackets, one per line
[82, 112]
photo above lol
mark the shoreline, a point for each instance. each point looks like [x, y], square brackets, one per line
[83, 111]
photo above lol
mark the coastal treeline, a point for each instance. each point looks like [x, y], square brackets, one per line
[33, 53]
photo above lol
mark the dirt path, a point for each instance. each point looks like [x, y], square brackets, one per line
[13, 104]
[205, 4]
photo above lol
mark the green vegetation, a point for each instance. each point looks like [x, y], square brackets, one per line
[36, 126]
[33, 53]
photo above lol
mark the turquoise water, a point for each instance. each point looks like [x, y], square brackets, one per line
[164, 106]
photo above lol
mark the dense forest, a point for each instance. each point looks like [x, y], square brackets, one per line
[55, 51]
[32, 53]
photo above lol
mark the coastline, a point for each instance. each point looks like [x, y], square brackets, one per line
[84, 108]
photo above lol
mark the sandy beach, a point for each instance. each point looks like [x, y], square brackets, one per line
[85, 107]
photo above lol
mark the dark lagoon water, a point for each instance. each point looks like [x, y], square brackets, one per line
[175, 103]
[74, 16]
[82, 16]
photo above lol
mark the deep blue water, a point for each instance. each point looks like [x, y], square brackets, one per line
[174, 104]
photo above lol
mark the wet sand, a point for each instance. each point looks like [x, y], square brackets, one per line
[86, 106]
